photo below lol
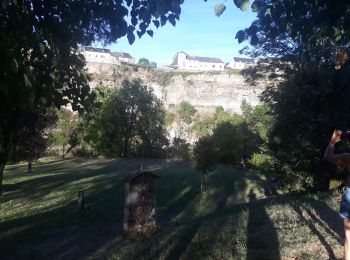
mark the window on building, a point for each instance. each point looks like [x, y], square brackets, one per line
[213, 66]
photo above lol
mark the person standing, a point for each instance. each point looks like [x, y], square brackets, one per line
[342, 160]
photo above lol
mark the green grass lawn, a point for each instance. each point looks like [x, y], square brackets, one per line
[237, 218]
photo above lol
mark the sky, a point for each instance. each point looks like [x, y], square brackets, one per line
[198, 32]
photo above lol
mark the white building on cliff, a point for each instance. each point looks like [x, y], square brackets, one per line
[240, 63]
[185, 61]
[101, 55]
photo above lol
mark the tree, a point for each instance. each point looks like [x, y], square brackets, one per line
[202, 126]
[153, 64]
[34, 137]
[144, 62]
[40, 61]
[205, 157]
[67, 130]
[186, 112]
[184, 115]
[129, 120]
[297, 42]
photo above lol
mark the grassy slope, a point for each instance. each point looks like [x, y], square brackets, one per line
[38, 217]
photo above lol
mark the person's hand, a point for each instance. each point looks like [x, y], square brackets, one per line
[336, 137]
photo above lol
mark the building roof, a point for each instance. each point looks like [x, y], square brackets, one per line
[243, 60]
[88, 48]
[204, 59]
[122, 55]
[174, 64]
[137, 174]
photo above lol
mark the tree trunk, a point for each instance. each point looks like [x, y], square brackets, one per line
[29, 167]
[126, 146]
[81, 200]
[2, 167]
[63, 151]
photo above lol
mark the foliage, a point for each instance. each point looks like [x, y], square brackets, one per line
[143, 62]
[233, 142]
[127, 121]
[204, 153]
[202, 126]
[34, 136]
[307, 97]
[204, 156]
[262, 161]
[236, 137]
[153, 64]
[186, 112]
[169, 118]
[67, 134]
[179, 149]
[163, 78]
[39, 51]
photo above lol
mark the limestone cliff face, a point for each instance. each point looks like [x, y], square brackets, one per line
[205, 91]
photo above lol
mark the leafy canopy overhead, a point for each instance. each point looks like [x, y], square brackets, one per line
[41, 65]
[318, 21]
[39, 41]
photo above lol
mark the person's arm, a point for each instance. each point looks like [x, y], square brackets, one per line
[337, 159]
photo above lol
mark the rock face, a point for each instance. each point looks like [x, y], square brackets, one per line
[204, 90]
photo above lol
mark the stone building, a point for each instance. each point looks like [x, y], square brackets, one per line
[240, 63]
[99, 55]
[124, 57]
[185, 61]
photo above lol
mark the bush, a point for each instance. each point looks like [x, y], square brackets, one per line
[261, 161]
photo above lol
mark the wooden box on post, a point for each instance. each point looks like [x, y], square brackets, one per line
[140, 204]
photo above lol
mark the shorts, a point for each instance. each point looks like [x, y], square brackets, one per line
[344, 210]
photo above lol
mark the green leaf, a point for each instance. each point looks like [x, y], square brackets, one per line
[156, 23]
[163, 20]
[27, 81]
[131, 38]
[150, 33]
[219, 9]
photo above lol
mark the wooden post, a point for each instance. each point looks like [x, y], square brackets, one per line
[81, 200]
[29, 167]
[126, 208]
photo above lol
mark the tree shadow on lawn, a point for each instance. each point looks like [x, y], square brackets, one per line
[262, 237]
[63, 231]
[47, 178]
[70, 232]
[98, 232]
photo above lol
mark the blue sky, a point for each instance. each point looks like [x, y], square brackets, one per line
[199, 32]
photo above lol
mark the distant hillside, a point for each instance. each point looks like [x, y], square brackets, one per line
[204, 90]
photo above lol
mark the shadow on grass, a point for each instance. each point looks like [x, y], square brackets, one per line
[58, 229]
[262, 237]
[61, 231]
